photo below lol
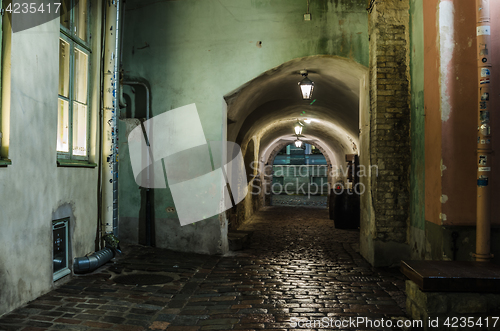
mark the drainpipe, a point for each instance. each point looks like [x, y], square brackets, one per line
[90, 263]
[100, 232]
[115, 121]
[484, 151]
[111, 110]
[109, 143]
[148, 176]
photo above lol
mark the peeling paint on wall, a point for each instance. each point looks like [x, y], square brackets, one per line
[443, 167]
[444, 198]
[417, 109]
[447, 45]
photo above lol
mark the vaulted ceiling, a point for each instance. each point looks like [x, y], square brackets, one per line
[267, 107]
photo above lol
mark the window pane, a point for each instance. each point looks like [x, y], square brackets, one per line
[65, 13]
[79, 129]
[63, 68]
[62, 126]
[81, 18]
[81, 73]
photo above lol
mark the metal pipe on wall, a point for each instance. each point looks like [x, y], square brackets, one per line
[484, 150]
[148, 178]
[109, 113]
[148, 94]
[99, 231]
[111, 109]
[115, 120]
[93, 261]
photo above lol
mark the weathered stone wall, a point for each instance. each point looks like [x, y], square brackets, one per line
[437, 308]
[390, 127]
[243, 210]
[417, 177]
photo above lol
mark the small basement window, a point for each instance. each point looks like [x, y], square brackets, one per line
[60, 250]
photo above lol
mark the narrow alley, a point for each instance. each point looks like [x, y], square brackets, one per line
[297, 267]
[264, 165]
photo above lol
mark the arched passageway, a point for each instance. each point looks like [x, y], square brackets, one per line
[262, 113]
[300, 177]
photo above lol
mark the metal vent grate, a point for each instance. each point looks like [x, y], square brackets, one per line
[60, 253]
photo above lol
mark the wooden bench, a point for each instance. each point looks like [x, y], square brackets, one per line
[453, 276]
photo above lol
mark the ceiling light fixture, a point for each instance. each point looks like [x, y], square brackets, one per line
[298, 128]
[298, 143]
[306, 86]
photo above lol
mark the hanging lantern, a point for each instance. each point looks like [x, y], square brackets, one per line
[298, 143]
[306, 86]
[298, 128]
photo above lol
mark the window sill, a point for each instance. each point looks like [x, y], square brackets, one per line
[5, 162]
[75, 164]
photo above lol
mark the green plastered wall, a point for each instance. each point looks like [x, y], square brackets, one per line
[194, 51]
[417, 177]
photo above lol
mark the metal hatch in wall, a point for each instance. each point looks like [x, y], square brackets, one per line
[60, 251]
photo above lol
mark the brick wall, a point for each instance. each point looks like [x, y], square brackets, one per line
[390, 117]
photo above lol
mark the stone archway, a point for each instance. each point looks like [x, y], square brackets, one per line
[264, 110]
[267, 174]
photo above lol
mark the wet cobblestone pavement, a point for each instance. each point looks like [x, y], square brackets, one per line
[297, 268]
[299, 200]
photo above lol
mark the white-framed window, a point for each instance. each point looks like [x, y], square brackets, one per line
[73, 92]
[4, 125]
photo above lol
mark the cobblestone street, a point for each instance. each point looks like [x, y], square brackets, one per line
[298, 267]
